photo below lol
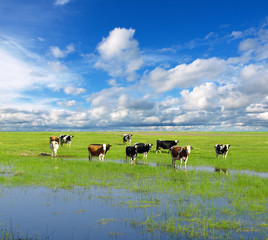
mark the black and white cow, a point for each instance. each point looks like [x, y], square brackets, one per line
[127, 138]
[132, 151]
[165, 144]
[222, 149]
[66, 139]
[143, 148]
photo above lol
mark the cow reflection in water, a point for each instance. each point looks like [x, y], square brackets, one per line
[221, 170]
[180, 153]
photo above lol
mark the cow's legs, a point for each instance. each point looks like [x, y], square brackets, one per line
[185, 163]
[180, 162]
[89, 156]
[174, 163]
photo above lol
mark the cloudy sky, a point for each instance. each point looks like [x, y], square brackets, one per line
[131, 65]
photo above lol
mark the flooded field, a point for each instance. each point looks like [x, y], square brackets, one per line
[70, 197]
[102, 213]
[189, 168]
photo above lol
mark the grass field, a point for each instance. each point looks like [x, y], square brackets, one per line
[248, 150]
[22, 164]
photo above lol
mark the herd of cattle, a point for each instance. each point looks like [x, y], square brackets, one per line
[99, 150]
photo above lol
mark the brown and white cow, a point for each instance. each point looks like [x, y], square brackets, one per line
[98, 150]
[180, 153]
[54, 145]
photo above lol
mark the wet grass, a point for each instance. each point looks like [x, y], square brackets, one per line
[208, 205]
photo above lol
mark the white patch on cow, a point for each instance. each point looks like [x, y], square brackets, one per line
[189, 148]
[101, 157]
[104, 147]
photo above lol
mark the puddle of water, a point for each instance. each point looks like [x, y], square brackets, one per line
[6, 171]
[189, 168]
[99, 213]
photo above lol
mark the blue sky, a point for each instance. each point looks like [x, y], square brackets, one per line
[78, 65]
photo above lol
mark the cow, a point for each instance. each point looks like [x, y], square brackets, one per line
[98, 150]
[54, 145]
[127, 138]
[222, 149]
[143, 148]
[54, 138]
[66, 139]
[132, 151]
[180, 153]
[165, 144]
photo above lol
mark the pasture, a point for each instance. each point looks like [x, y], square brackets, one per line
[177, 204]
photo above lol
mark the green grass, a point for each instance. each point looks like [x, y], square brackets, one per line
[248, 150]
[21, 164]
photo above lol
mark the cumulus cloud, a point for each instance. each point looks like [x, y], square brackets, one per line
[203, 97]
[254, 79]
[255, 108]
[186, 75]
[70, 103]
[263, 116]
[200, 95]
[73, 90]
[58, 53]
[119, 54]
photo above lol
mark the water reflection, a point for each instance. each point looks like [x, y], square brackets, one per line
[189, 167]
[221, 170]
[102, 213]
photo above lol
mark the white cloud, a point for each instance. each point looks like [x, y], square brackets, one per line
[254, 79]
[61, 2]
[231, 98]
[57, 53]
[119, 54]
[183, 76]
[24, 76]
[70, 103]
[203, 97]
[57, 66]
[263, 116]
[151, 120]
[256, 108]
[248, 44]
[41, 39]
[14, 73]
[236, 34]
[73, 90]
[118, 115]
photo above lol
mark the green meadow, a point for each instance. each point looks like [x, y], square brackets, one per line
[24, 163]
